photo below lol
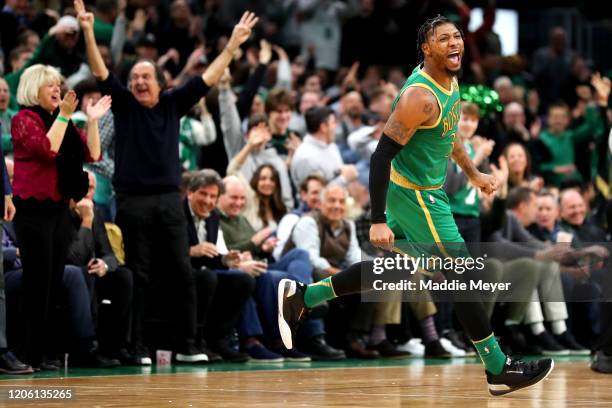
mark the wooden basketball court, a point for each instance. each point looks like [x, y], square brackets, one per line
[412, 383]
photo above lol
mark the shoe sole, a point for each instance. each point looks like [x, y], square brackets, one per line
[286, 288]
[17, 372]
[298, 360]
[596, 368]
[534, 381]
[402, 357]
[203, 358]
[266, 361]
[580, 352]
[552, 353]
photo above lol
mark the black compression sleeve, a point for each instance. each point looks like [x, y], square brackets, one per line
[380, 171]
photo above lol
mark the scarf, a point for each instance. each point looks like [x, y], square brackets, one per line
[73, 182]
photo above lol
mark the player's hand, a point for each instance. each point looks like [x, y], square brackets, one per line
[381, 236]
[485, 182]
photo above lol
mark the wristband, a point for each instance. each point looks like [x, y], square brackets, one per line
[62, 119]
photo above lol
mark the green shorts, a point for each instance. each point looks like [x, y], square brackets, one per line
[423, 218]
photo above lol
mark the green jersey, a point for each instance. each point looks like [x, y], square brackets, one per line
[465, 201]
[422, 163]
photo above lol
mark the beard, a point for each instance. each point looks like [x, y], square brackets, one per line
[456, 73]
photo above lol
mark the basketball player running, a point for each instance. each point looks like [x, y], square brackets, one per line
[413, 153]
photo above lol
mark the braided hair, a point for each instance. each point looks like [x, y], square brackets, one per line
[428, 27]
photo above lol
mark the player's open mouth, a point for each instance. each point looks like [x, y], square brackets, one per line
[454, 58]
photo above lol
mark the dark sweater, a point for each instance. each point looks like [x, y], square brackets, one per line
[147, 139]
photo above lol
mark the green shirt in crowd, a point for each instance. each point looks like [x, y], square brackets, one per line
[562, 147]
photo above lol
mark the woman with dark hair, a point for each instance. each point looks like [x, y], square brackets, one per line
[269, 201]
[519, 165]
[49, 153]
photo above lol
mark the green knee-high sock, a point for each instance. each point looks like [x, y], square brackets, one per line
[319, 292]
[490, 353]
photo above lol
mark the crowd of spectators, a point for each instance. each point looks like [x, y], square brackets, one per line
[225, 152]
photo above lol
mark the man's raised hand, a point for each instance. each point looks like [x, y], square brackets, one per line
[242, 30]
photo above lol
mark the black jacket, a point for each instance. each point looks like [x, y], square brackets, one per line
[91, 243]
[212, 232]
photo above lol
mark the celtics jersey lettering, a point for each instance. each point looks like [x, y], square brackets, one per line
[465, 201]
[423, 161]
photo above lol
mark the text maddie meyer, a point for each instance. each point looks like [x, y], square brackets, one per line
[447, 285]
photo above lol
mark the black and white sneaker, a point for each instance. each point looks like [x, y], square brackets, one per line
[190, 354]
[291, 309]
[518, 374]
[139, 356]
[550, 346]
[568, 341]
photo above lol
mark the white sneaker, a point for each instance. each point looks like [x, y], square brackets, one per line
[414, 347]
[450, 347]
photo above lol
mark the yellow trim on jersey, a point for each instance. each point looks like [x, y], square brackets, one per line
[432, 227]
[425, 86]
[402, 181]
[433, 81]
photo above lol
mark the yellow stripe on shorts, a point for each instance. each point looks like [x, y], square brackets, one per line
[430, 222]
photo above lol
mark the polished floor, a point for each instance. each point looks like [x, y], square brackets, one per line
[456, 383]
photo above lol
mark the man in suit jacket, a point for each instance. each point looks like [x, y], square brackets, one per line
[221, 287]
[106, 279]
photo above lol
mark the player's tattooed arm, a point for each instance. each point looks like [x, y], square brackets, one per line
[397, 131]
[487, 183]
[461, 157]
[416, 107]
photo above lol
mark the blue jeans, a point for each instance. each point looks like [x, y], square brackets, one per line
[264, 303]
[77, 298]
